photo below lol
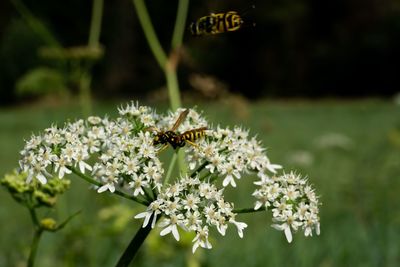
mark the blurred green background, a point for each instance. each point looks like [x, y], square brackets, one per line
[314, 81]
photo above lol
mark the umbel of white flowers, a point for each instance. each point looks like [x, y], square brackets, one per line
[121, 157]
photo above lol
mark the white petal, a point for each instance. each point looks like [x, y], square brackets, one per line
[102, 189]
[41, 178]
[272, 167]
[222, 229]
[111, 187]
[240, 226]
[208, 245]
[318, 229]
[153, 223]
[175, 232]
[146, 219]
[29, 178]
[83, 165]
[229, 180]
[141, 215]
[288, 234]
[166, 230]
[195, 246]
[258, 205]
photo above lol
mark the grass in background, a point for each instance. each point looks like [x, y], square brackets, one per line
[342, 146]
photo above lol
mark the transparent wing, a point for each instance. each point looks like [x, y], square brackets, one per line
[181, 118]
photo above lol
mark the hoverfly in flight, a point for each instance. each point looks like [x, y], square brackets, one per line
[218, 23]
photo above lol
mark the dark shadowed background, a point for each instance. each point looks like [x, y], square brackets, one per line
[298, 48]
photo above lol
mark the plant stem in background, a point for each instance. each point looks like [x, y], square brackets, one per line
[38, 231]
[93, 42]
[95, 24]
[149, 33]
[36, 236]
[176, 43]
[180, 24]
[134, 246]
[84, 92]
[170, 169]
[36, 25]
[35, 243]
[167, 64]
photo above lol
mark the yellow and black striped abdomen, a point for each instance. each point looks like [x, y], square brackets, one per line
[193, 135]
[217, 23]
[226, 22]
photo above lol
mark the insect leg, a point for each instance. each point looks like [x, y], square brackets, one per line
[162, 148]
[191, 143]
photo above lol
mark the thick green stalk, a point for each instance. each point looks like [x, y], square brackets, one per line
[134, 245]
[173, 60]
[168, 65]
[149, 33]
[173, 85]
[36, 236]
[170, 169]
[84, 94]
[34, 245]
[95, 24]
[86, 77]
[180, 24]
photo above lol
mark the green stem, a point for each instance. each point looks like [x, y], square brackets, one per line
[170, 168]
[134, 245]
[36, 25]
[173, 85]
[199, 169]
[183, 169]
[248, 210]
[63, 224]
[95, 24]
[85, 96]
[34, 217]
[86, 77]
[34, 246]
[175, 99]
[168, 65]
[149, 33]
[117, 192]
[204, 176]
[180, 23]
[170, 70]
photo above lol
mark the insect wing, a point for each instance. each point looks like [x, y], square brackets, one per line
[181, 118]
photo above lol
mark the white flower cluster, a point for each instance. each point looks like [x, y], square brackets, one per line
[121, 156]
[294, 203]
[229, 153]
[192, 205]
[123, 152]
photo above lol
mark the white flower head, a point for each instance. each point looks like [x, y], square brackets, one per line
[123, 156]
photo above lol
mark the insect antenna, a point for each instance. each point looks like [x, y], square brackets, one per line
[247, 10]
[248, 20]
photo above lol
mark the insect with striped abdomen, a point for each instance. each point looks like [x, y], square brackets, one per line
[176, 139]
[215, 23]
